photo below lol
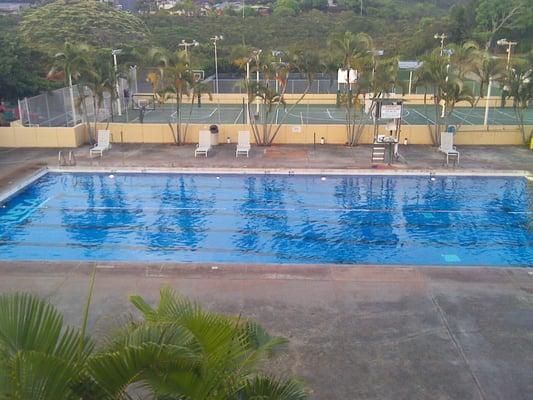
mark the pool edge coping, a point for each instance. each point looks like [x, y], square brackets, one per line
[162, 269]
[20, 184]
[295, 171]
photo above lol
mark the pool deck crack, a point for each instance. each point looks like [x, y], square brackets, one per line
[458, 347]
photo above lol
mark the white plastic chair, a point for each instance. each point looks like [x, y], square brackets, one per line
[104, 143]
[204, 143]
[243, 144]
[447, 147]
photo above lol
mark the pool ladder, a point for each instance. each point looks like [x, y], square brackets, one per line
[378, 153]
[66, 160]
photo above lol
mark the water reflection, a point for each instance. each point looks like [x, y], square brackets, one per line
[182, 217]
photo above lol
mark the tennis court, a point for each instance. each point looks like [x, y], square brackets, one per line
[304, 114]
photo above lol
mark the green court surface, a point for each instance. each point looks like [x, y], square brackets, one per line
[328, 114]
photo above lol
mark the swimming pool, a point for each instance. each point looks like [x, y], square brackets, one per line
[271, 219]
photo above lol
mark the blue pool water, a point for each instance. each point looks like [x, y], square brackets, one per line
[271, 219]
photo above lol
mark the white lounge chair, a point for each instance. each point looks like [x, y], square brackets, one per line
[104, 143]
[243, 145]
[447, 147]
[204, 143]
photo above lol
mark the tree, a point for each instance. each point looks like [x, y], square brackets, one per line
[69, 64]
[433, 73]
[354, 51]
[519, 81]
[20, 73]
[174, 351]
[446, 75]
[488, 68]
[90, 22]
[100, 79]
[494, 16]
[177, 78]
[40, 358]
[266, 125]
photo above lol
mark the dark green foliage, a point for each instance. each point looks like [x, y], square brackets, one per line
[80, 21]
[21, 70]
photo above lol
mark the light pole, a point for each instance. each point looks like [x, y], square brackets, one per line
[509, 44]
[116, 52]
[374, 54]
[215, 39]
[449, 53]
[442, 37]
[278, 54]
[256, 53]
[186, 46]
[248, 85]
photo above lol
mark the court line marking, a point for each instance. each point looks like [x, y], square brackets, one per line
[454, 114]
[145, 114]
[423, 116]
[238, 116]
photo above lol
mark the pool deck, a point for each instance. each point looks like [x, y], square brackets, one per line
[473, 158]
[356, 332]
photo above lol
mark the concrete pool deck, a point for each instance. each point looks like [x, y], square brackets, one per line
[280, 156]
[359, 332]
[355, 333]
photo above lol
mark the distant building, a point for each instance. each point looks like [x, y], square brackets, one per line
[12, 8]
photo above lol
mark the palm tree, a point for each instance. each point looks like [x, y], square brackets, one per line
[487, 68]
[350, 47]
[180, 351]
[355, 51]
[176, 351]
[446, 75]
[71, 63]
[433, 73]
[178, 78]
[519, 80]
[303, 62]
[40, 358]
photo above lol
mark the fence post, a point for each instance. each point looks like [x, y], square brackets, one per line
[47, 109]
[27, 111]
[20, 112]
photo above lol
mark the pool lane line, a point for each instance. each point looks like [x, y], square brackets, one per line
[307, 208]
[319, 225]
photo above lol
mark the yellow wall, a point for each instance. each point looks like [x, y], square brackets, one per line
[333, 134]
[20, 136]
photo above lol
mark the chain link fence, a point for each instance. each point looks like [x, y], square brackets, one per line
[69, 106]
